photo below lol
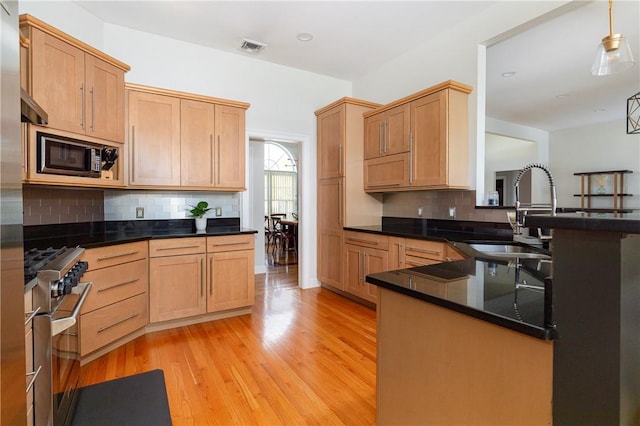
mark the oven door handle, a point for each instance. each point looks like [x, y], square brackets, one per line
[62, 324]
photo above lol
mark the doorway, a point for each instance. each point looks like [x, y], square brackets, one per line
[262, 199]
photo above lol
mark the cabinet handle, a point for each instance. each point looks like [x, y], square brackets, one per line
[177, 247]
[340, 214]
[83, 106]
[210, 275]
[380, 185]
[340, 160]
[113, 324]
[380, 136]
[419, 250]
[213, 160]
[202, 277]
[113, 256]
[386, 135]
[360, 266]
[357, 240]
[31, 314]
[218, 160]
[93, 111]
[101, 289]
[133, 153]
[411, 157]
[34, 377]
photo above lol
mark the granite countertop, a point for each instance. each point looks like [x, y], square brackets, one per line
[628, 223]
[484, 288]
[98, 234]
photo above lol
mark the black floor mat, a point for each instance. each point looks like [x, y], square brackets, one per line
[137, 400]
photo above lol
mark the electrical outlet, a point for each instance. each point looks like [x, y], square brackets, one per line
[139, 212]
[452, 212]
[420, 211]
[218, 211]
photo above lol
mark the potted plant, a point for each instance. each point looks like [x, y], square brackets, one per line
[198, 212]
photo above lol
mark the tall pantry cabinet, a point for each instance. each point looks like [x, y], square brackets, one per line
[341, 197]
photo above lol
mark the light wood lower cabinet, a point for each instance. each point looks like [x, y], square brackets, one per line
[423, 252]
[117, 304]
[197, 276]
[230, 269]
[364, 254]
[177, 275]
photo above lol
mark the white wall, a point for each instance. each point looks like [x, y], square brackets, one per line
[455, 55]
[599, 147]
[283, 99]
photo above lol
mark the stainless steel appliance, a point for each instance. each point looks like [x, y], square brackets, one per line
[66, 156]
[58, 297]
[12, 361]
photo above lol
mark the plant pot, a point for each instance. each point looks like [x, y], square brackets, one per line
[201, 223]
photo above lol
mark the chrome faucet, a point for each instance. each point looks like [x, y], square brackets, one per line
[523, 209]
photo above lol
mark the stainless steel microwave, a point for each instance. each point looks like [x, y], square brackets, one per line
[66, 156]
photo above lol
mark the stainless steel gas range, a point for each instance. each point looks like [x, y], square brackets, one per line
[58, 296]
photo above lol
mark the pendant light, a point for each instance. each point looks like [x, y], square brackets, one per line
[613, 55]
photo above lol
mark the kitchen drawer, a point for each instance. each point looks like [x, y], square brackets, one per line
[425, 249]
[176, 246]
[452, 254]
[116, 283]
[103, 257]
[108, 324]
[364, 239]
[230, 243]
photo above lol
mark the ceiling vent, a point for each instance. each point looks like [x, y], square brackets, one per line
[251, 46]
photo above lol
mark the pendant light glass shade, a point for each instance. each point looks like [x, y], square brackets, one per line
[613, 55]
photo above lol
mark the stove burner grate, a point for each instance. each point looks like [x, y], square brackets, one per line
[35, 259]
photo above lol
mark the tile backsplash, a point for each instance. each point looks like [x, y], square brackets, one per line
[438, 204]
[46, 205]
[122, 205]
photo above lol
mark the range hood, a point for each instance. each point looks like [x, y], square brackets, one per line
[31, 112]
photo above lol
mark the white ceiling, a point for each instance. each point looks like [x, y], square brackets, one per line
[352, 37]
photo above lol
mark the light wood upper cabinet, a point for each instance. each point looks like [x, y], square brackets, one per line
[80, 88]
[197, 126]
[229, 166]
[154, 139]
[182, 140]
[392, 135]
[435, 152]
[331, 143]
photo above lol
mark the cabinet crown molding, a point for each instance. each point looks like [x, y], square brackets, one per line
[185, 95]
[449, 84]
[347, 100]
[27, 20]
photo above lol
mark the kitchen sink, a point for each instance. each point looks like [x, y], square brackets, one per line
[509, 251]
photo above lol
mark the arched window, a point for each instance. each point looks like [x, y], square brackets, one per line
[280, 180]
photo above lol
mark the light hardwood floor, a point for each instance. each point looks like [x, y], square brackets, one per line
[302, 357]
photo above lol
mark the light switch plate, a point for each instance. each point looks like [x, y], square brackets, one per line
[139, 212]
[218, 211]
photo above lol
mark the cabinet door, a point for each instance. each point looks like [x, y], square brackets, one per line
[331, 143]
[429, 148]
[330, 220]
[354, 270]
[386, 173]
[104, 100]
[374, 128]
[231, 280]
[154, 139]
[197, 131]
[57, 81]
[374, 261]
[397, 129]
[176, 287]
[230, 149]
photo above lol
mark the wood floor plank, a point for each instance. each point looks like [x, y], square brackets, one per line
[302, 357]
